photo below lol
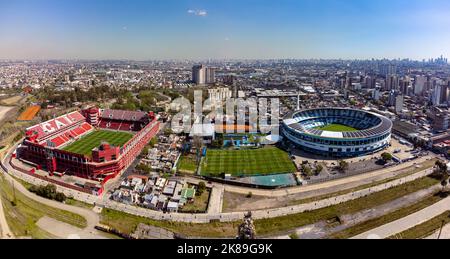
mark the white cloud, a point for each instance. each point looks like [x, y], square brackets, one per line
[198, 12]
[202, 13]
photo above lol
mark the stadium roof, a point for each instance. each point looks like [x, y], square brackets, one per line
[384, 126]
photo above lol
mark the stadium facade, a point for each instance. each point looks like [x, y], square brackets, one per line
[372, 132]
[44, 143]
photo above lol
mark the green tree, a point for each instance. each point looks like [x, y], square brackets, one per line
[386, 157]
[342, 166]
[306, 169]
[201, 188]
[319, 169]
[441, 171]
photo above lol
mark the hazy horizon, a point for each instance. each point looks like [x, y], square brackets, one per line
[224, 29]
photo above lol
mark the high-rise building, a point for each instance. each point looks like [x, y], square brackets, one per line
[388, 69]
[440, 119]
[439, 95]
[399, 103]
[210, 75]
[419, 85]
[203, 75]
[376, 94]
[392, 82]
[199, 74]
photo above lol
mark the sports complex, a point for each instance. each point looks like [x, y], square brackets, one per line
[95, 144]
[337, 132]
[263, 161]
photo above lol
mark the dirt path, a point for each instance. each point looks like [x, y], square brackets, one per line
[4, 110]
[4, 228]
[64, 230]
[91, 217]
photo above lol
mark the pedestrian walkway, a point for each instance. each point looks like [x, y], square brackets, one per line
[407, 222]
[214, 212]
[92, 218]
[373, 176]
[4, 228]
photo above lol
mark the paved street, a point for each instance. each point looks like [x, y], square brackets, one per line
[322, 229]
[214, 212]
[4, 228]
[348, 182]
[408, 222]
[91, 217]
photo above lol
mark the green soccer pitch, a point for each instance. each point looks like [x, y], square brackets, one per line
[337, 128]
[85, 145]
[262, 161]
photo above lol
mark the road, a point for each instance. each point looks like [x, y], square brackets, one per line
[214, 212]
[335, 185]
[4, 110]
[407, 222]
[322, 229]
[91, 217]
[4, 228]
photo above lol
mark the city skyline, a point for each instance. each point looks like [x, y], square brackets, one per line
[146, 30]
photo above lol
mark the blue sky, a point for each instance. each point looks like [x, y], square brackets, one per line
[199, 29]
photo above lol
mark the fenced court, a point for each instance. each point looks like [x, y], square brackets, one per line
[249, 162]
[29, 113]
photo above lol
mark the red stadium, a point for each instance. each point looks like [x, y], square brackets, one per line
[94, 144]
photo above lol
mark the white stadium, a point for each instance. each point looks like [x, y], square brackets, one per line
[337, 132]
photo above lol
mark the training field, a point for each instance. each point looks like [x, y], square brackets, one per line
[337, 128]
[247, 162]
[85, 145]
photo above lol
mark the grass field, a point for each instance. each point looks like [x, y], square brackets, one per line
[337, 128]
[23, 213]
[264, 227]
[85, 145]
[187, 164]
[247, 162]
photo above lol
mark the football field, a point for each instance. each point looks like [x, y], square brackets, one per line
[337, 128]
[85, 145]
[247, 162]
